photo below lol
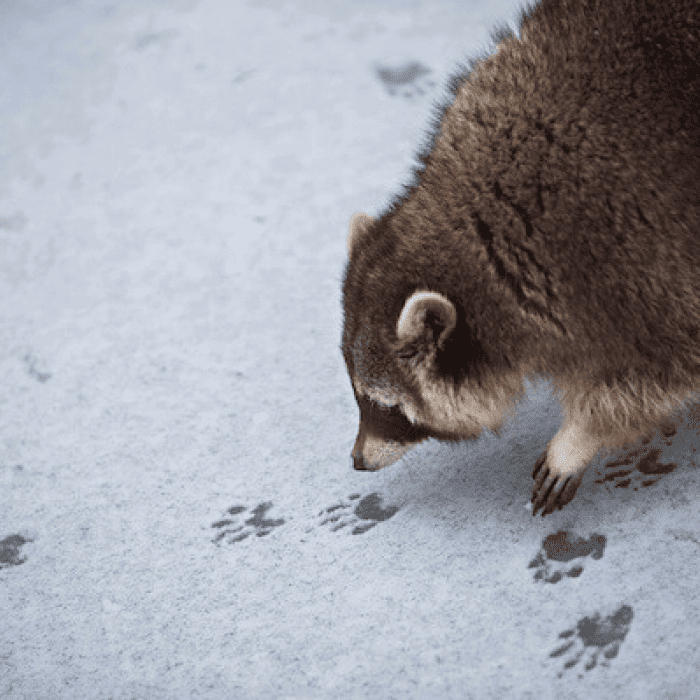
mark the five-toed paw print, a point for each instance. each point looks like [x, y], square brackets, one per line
[10, 550]
[623, 473]
[562, 555]
[236, 529]
[407, 79]
[364, 514]
[593, 637]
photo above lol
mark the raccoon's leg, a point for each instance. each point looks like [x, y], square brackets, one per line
[605, 417]
[559, 471]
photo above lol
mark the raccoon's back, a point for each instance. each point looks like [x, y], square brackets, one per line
[570, 160]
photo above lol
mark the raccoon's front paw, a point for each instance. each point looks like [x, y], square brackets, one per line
[552, 491]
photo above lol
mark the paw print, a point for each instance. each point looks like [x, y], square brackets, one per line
[647, 471]
[364, 516]
[30, 361]
[562, 555]
[593, 637]
[9, 551]
[235, 531]
[408, 78]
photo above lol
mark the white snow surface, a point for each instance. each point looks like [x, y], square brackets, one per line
[176, 182]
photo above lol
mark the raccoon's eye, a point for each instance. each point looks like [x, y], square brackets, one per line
[390, 414]
[377, 410]
[391, 410]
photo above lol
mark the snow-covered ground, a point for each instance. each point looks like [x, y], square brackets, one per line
[178, 515]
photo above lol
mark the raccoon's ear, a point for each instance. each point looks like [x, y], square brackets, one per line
[426, 309]
[359, 223]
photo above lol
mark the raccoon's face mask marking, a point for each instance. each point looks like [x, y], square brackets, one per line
[385, 433]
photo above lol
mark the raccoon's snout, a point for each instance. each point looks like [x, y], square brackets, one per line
[358, 463]
[372, 452]
[391, 454]
[358, 460]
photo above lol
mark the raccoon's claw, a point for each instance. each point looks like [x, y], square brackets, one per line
[551, 492]
[538, 464]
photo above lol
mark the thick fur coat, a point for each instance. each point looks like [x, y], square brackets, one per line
[552, 229]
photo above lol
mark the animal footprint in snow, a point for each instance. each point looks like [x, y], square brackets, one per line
[623, 472]
[363, 515]
[237, 529]
[30, 362]
[10, 550]
[407, 79]
[593, 637]
[563, 554]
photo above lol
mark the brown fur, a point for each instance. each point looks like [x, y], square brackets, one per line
[556, 210]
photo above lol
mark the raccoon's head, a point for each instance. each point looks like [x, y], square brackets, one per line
[405, 349]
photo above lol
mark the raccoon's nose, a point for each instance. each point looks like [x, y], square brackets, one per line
[358, 463]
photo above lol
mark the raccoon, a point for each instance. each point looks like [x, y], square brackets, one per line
[552, 229]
